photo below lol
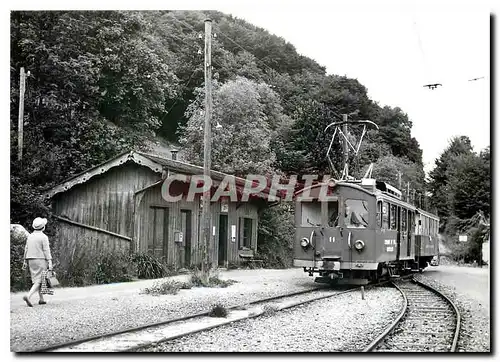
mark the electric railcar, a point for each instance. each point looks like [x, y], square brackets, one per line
[355, 232]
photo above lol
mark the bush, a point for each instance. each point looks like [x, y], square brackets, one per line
[213, 280]
[149, 267]
[80, 266]
[166, 287]
[218, 311]
[276, 236]
[163, 288]
[113, 267]
[75, 267]
[19, 278]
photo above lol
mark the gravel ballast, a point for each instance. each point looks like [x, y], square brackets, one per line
[343, 323]
[475, 327]
[75, 313]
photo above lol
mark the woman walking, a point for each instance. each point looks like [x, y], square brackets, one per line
[38, 258]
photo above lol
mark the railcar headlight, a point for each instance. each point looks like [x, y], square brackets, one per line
[359, 244]
[304, 242]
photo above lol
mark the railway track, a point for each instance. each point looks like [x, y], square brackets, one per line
[135, 338]
[428, 322]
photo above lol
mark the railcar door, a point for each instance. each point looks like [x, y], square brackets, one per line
[398, 234]
[332, 247]
[409, 227]
[358, 222]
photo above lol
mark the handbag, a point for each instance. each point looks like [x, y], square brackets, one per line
[52, 279]
[44, 288]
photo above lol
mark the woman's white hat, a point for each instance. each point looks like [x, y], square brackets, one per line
[39, 223]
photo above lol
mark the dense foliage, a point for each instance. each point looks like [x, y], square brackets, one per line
[102, 82]
[461, 188]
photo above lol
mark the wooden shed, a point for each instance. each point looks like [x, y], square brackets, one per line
[118, 205]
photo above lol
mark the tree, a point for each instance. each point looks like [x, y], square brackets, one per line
[387, 168]
[438, 185]
[468, 185]
[250, 115]
[98, 85]
[395, 130]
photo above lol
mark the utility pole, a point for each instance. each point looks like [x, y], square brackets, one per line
[408, 192]
[20, 124]
[207, 148]
[346, 147]
[399, 179]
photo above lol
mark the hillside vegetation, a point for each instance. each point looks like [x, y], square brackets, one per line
[107, 81]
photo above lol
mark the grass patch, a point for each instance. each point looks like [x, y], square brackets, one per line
[218, 311]
[213, 281]
[269, 309]
[166, 287]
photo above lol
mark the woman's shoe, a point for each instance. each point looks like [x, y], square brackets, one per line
[42, 302]
[25, 298]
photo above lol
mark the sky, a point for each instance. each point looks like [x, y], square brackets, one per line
[393, 49]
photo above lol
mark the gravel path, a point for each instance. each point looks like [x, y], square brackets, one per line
[74, 313]
[345, 323]
[475, 313]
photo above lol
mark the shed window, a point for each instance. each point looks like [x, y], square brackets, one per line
[245, 232]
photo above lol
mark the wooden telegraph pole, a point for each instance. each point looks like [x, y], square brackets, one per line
[20, 124]
[346, 147]
[207, 148]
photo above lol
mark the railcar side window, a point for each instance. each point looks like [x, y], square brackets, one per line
[356, 213]
[403, 219]
[311, 213]
[393, 218]
[385, 215]
[333, 213]
[379, 214]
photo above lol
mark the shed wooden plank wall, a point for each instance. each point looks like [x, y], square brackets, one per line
[75, 239]
[105, 201]
[152, 198]
[108, 202]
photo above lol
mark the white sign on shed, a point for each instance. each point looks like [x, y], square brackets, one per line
[462, 238]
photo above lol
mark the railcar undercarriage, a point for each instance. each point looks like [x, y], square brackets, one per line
[363, 277]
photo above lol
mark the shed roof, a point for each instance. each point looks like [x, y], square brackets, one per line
[155, 163]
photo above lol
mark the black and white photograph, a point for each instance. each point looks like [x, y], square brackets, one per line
[251, 177]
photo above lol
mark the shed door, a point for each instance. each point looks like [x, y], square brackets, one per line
[158, 240]
[223, 225]
[186, 231]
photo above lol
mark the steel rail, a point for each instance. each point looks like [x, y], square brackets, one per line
[393, 325]
[399, 318]
[457, 312]
[135, 348]
[166, 322]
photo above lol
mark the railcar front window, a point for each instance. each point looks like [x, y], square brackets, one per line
[356, 214]
[333, 213]
[311, 214]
